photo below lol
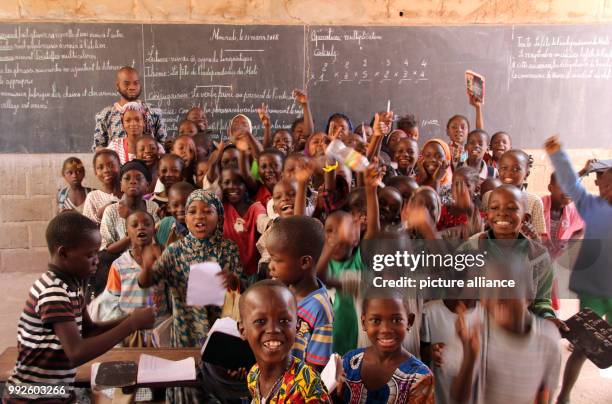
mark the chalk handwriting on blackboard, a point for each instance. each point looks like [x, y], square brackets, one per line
[561, 57]
[234, 73]
[35, 61]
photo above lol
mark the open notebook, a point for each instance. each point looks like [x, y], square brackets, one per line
[152, 369]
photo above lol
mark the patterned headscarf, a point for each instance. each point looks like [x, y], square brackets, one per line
[211, 199]
[448, 176]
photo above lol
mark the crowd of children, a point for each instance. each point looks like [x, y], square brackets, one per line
[285, 221]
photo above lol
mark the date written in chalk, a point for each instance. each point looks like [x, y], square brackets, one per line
[429, 283]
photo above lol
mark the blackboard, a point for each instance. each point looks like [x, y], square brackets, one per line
[540, 80]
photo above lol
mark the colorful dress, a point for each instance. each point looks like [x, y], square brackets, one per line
[412, 382]
[300, 384]
[190, 323]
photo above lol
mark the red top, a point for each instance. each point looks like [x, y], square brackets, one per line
[242, 230]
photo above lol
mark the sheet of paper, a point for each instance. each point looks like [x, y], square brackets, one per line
[328, 375]
[204, 287]
[152, 369]
[225, 325]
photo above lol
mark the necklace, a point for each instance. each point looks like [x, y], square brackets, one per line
[275, 387]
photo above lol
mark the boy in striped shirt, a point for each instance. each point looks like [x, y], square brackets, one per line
[55, 333]
[295, 244]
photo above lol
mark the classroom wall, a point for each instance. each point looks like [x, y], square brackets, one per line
[30, 182]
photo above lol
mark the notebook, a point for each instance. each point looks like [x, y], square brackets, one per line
[225, 347]
[475, 84]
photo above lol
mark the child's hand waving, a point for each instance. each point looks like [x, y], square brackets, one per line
[334, 131]
[304, 170]
[150, 254]
[264, 116]
[552, 145]
[374, 173]
[300, 96]
[230, 280]
[382, 123]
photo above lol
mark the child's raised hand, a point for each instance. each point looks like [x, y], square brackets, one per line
[300, 96]
[469, 336]
[150, 254]
[382, 123]
[241, 141]
[374, 173]
[440, 171]
[304, 170]
[552, 145]
[230, 280]
[334, 131]
[415, 217]
[475, 102]
[142, 318]
[463, 199]
[264, 116]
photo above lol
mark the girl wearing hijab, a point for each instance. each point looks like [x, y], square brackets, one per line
[434, 168]
[204, 243]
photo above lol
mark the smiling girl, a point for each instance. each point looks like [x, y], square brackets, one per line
[385, 372]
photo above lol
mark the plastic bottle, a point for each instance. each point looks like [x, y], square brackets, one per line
[347, 155]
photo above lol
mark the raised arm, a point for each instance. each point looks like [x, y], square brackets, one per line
[303, 173]
[302, 98]
[264, 117]
[372, 177]
[215, 163]
[479, 116]
[566, 176]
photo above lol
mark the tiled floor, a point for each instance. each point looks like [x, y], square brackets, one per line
[591, 388]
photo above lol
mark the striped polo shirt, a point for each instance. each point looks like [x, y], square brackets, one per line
[54, 297]
[315, 317]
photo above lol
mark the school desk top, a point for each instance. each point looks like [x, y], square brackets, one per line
[83, 374]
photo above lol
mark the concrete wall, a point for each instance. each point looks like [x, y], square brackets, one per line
[30, 182]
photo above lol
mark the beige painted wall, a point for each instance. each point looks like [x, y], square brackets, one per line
[27, 196]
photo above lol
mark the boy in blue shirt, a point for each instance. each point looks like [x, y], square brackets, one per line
[591, 277]
[295, 244]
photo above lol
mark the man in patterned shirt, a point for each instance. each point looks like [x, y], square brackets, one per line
[108, 121]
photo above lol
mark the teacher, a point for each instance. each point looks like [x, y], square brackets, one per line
[108, 121]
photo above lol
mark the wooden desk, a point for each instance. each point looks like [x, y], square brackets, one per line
[83, 374]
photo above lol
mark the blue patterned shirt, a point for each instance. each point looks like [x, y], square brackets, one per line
[313, 342]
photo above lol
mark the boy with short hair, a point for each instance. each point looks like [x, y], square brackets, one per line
[268, 323]
[505, 215]
[295, 244]
[55, 320]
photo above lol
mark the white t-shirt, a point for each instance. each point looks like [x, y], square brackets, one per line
[438, 326]
[517, 365]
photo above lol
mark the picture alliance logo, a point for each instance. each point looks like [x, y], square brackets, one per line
[423, 260]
